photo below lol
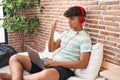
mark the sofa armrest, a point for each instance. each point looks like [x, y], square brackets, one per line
[111, 74]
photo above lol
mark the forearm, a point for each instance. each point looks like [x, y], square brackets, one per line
[82, 63]
[51, 44]
[74, 65]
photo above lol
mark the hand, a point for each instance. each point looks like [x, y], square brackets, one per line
[51, 63]
[54, 24]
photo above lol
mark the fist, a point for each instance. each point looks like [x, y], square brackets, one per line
[51, 63]
[54, 24]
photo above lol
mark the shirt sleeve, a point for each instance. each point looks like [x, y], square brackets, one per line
[86, 45]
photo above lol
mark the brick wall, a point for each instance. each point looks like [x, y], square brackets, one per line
[102, 23]
[14, 40]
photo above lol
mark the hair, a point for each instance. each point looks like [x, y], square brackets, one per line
[74, 11]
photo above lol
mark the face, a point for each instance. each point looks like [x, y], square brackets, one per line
[74, 22]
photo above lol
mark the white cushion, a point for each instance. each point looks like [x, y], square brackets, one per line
[91, 72]
[5, 69]
[46, 53]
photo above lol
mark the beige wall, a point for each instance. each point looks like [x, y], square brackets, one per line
[102, 23]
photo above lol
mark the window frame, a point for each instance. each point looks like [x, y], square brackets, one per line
[5, 32]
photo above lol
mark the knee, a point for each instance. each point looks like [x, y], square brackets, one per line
[46, 74]
[38, 77]
[13, 58]
[42, 78]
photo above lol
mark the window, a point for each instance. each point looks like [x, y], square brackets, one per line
[3, 32]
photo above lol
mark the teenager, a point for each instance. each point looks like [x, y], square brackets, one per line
[75, 49]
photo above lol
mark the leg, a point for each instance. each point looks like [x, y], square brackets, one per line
[47, 74]
[5, 76]
[17, 63]
[53, 73]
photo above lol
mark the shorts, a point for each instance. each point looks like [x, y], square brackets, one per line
[64, 73]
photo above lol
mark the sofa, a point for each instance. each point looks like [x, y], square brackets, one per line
[90, 73]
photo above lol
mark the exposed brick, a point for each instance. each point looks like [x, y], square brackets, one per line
[96, 26]
[97, 35]
[112, 59]
[113, 39]
[114, 29]
[95, 17]
[92, 12]
[108, 23]
[119, 46]
[117, 50]
[112, 18]
[114, 7]
[111, 48]
[93, 40]
[110, 3]
[88, 2]
[109, 34]
[118, 55]
[113, 13]
[92, 21]
[93, 31]
[98, 7]
[118, 40]
[107, 52]
[107, 43]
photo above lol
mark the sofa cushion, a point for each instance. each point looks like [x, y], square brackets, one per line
[91, 72]
[7, 70]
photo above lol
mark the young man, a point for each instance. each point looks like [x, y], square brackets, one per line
[75, 48]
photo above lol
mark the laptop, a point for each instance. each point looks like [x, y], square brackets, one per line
[35, 58]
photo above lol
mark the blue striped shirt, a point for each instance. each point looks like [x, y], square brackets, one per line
[72, 44]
